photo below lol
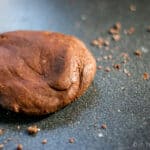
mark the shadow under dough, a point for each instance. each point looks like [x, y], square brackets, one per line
[65, 116]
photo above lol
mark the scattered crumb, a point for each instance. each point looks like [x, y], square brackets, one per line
[117, 26]
[116, 37]
[44, 141]
[1, 146]
[105, 57]
[107, 69]
[117, 66]
[99, 67]
[19, 147]
[145, 76]
[2, 131]
[132, 8]
[106, 43]
[33, 129]
[127, 72]
[100, 42]
[100, 135]
[94, 42]
[115, 29]
[109, 56]
[104, 126]
[148, 29]
[138, 53]
[119, 110]
[130, 31]
[18, 127]
[71, 140]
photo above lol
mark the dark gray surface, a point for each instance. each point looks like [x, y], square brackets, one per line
[122, 102]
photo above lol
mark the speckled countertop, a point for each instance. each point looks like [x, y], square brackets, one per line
[114, 99]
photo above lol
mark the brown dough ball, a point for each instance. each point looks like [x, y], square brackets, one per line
[41, 72]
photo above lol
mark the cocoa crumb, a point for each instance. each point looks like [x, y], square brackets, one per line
[115, 29]
[98, 42]
[104, 126]
[33, 129]
[106, 43]
[132, 8]
[107, 69]
[44, 141]
[130, 31]
[138, 53]
[117, 66]
[2, 131]
[94, 43]
[116, 37]
[99, 67]
[109, 56]
[117, 26]
[19, 147]
[71, 140]
[1, 146]
[145, 76]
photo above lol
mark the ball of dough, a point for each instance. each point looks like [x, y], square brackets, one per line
[41, 72]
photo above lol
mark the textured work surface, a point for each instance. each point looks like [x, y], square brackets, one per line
[122, 102]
